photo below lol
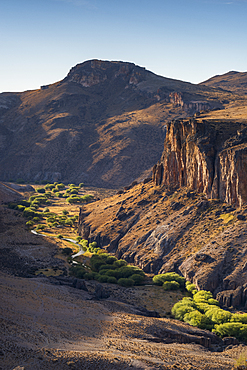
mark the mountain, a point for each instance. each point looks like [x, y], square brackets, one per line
[232, 81]
[103, 124]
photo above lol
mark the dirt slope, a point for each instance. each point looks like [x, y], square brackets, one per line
[231, 81]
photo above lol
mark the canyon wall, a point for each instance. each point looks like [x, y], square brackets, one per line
[209, 157]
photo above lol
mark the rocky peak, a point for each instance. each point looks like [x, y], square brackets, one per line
[94, 72]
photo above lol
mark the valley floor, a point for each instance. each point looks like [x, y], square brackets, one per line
[48, 326]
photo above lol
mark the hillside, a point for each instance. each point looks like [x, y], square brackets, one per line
[191, 218]
[233, 81]
[102, 125]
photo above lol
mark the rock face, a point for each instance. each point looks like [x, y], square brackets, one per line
[210, 157]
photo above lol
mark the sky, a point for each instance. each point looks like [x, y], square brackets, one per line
[189, 40]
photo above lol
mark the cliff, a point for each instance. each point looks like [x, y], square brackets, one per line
[207, 156]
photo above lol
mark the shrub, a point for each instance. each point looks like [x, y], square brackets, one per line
[218, 316]
[67, 251]
[89, 275]
[103, 278]
[196, 318]
[239, 318]
[49, 186]
[171, 285]
[120, 263]
[40, 190]
[36, 219]
[81, 185]
[74, 191]
[60, 186]
[111, 280]
[169, 276]
[232, 329]
[125, 282]
[30, 223]
[87, 198]
[40, 227]
[111, 259]
[138, 279]
[46, 209]
[20, 207]
[190, 287]
[182, 307]
[78, 238]
[77, 271]
[28, 212]
[60, 236]
[202, 296]
[65, 212]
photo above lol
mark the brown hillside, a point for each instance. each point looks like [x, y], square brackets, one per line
[192, 217]
[102, 125]
[232, 81]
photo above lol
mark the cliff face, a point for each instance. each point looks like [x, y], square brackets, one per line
[209, 157]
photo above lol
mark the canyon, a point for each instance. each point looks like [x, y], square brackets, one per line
[171, 158]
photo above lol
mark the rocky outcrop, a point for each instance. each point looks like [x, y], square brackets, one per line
[210, 157]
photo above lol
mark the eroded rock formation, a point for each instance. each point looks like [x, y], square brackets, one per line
[210, 157]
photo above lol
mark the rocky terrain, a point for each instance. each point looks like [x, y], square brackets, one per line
[106, 124]
[191, 217]
[60, 322]
[103, 125]
[231, 81]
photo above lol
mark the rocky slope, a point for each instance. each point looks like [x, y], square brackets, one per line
[191, 218]
[102, 125]
[231, 81]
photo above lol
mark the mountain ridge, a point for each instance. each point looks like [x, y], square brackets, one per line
[95, 133]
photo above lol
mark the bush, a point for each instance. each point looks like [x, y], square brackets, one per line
[67, 251]
[86, 198]
[169, 276]
[125, 282]
[120, 263]
[77, 271]
[190, 287]
[74, 191]
[60, 236]
[203, 296]
[232, 329]
[20, 207]
[40, 227]
[218, 316]
[111, 280]
[196, 318]
[171, 285]
[103, 279]
[239, 318]
[49, 186]
[110, 259]
[138, 279]
[30, 223]
[40, 190]
[28, 212]
[46, 209]
[65, 212]
[81, 185]
[60, 186]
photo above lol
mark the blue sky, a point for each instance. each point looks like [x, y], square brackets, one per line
[189, 40]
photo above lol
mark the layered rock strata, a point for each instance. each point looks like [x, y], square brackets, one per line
[210, 157]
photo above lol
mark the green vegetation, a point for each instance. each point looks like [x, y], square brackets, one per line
[169, 281]
[204, 312]
[108, 269]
